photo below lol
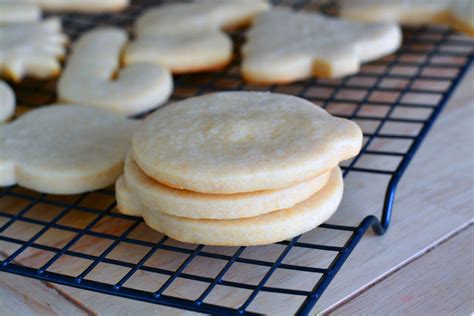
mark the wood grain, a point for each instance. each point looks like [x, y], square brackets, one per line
[111, 305]
[440, 282]
[433, 199]
[22, 296]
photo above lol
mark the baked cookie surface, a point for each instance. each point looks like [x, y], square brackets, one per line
[233, 142]
[164, 199]
[31, 48]
[64, 149]
[312, 44]
[264, 229]
[95, 59]
[14, 11]
[459, 14]
[195, 43]
[7, 102]
[87, 6]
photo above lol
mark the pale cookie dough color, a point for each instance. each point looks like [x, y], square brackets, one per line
[264, 229]
[458, 14]
[87, 6]
[31, 48]
[14, 11]
[188, 37]
[164, 199]
[234, 142]
[311, 44]
[88, 77]
[7, 102]
[64, 149]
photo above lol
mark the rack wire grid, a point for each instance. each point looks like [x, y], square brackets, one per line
[82, 241]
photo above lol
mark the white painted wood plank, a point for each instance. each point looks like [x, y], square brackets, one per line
[441, 282]
[434, 198]
[25, 297]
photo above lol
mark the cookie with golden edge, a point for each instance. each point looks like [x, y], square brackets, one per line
[90, 76]
[312, 44]
[14, 11]
[31, 48]
[64, 149]
[86, 6]
[197, 42]
[164, 199]
[235, 142]
[459, 14]
[264, 229]
[7, 101]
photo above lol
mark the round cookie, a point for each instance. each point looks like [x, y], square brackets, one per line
[259, 230]
[7, 102]
[191, 204]
[64, 149]
[236, 142]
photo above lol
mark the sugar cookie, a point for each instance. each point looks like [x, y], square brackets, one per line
[197, 42]
[161, 198]
[31, 48]
[95, 59]
[310, 44]
[182, 53]
[88, 6]
[458, 14]
[7, 102]
[13, 11]
[264, 229]
[64, 149]
[234, 142]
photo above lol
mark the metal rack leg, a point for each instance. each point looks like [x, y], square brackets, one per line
[380, 227]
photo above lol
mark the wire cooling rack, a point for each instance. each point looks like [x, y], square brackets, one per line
[82, 241]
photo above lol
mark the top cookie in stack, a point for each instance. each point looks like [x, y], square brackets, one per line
[237, 168]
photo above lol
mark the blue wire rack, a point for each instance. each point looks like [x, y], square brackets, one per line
[419, 78]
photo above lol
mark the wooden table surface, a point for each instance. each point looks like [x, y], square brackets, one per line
[423, 265]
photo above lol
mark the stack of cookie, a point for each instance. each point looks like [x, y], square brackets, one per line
[237, 168]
